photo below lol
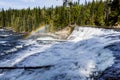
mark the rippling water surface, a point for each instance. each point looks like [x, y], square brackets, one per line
[87, 54]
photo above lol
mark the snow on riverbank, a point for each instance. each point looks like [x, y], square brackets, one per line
[76, 59]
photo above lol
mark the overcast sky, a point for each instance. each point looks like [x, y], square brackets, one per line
[19, 4]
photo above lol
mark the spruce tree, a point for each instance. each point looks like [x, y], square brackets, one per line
[3, 18]
[114, 17]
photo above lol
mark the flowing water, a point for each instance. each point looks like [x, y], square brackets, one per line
[87, 54]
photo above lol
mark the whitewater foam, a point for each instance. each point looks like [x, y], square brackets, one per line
[76, 59]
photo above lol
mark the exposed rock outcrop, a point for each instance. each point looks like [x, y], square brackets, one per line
[63, 34]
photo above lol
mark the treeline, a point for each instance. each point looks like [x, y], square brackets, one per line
[95, 13]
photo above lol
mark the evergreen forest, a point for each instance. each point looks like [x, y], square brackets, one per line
[97, 13]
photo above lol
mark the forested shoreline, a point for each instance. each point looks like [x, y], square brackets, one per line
[96, 13]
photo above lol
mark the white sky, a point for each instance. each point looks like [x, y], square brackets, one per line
[19, 4]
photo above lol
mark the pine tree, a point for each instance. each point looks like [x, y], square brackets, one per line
[94, 13]
[99, 18]
[3, 18]
[114, 17]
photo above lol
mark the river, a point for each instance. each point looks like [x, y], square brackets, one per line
[87, 54]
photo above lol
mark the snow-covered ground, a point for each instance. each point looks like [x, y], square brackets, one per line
[80, 57]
